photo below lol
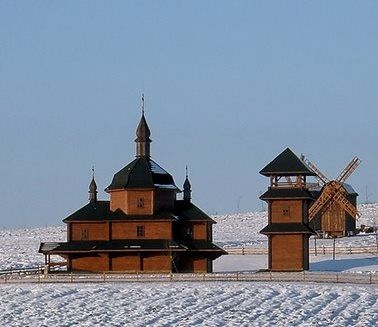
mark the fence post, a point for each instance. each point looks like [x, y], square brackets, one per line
[316, 250]
[237, 276]
[304, 275]
[323, 249]
[71, 277]
[104, 276]
[370, 278]
[270, 274]
[350, 249]
[334, 249]
[243, 250]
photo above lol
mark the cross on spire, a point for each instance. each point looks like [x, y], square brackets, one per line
[142, 103]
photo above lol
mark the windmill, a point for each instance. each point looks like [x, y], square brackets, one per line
[334, 211]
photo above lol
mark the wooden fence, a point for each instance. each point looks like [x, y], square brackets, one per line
[317, 277]
[322, 249]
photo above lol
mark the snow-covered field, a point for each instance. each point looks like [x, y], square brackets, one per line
[188, 304]
[192, 304]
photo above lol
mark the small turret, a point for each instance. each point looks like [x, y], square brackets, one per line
[92, 189]
[187, 188]
[143, 136]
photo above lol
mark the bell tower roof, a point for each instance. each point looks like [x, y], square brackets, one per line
[92, 189]
[143, 134]
[286, 164]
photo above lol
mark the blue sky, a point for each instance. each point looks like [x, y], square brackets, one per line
[228, 85]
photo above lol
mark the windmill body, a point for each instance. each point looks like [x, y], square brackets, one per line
[334, 211]
[336, 221]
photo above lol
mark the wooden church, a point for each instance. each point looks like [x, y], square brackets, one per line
[143, 228]
[288, 201]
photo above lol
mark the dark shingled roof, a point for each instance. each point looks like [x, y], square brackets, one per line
[108, 246]
[100, 211]
[127, 245]
[347, 187]
[287, 228]
[143, 131]
[286, 164]
[188, 211]
[202, 245]
[142, 172]
[286, 193]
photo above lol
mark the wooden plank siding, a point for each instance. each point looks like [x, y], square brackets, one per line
[287, 252]
[122, 262]
[127, 201]
[90, 262]
[156, 262]
[152, 230]
[284, 211]
[94, 231]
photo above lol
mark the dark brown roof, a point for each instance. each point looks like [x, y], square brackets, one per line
[286, 193]
[108, 246]
[189, 211]
[142, 172]
[128, 245]
[143, 132]
[287, 228]
[201, 245]
[286, 164]
[100, 211]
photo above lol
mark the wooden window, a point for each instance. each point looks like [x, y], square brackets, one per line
[189, 232]
[286, 211]
[140, 231]
[140, 203]
[84, 233]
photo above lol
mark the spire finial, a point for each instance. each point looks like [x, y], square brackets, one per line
[143, 136]
[187, 187]
[93, 188]
[142, 103]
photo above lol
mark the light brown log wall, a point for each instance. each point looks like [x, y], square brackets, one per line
[132, 200]
[95, 231]
[118, 200]
[156, 262]
[153, 230]
[295, 211]
[287, 252]
[125, 262]
[200, 231]
[200, 265]
[93, 263]
[127, 201]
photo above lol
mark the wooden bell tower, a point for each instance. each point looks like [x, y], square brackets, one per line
[288, 200]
